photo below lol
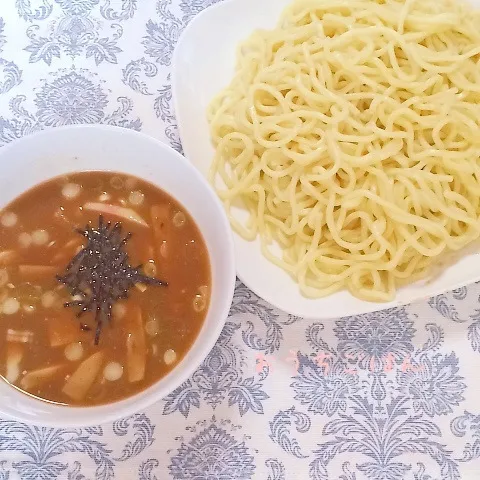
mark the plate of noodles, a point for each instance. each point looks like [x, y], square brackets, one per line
[343, 138]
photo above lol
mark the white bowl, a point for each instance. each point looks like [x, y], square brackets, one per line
[41, 156]
[203, 64]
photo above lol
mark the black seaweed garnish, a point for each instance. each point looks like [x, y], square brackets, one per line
[100, 273]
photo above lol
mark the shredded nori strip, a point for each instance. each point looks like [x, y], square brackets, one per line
[100, 273]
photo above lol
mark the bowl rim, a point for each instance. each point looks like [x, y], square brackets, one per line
[74, 416]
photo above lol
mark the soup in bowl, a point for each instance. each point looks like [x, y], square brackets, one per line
[116, 274]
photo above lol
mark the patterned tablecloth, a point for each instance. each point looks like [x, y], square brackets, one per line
[391, 395]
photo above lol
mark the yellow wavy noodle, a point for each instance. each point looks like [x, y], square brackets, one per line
[351, 135]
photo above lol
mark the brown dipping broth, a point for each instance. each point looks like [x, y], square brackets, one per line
[42, 343]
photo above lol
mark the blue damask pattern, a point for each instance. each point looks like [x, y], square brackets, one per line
[436, 387]
[385, 442]
[40, 450]
[280, 427]
[277, 469]
[468, 423]
[372, 338]
[75, 31]
[10, 73]
[384, 396]
[219, 379]
[324, 389]
[212, 453]
[68, 97]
